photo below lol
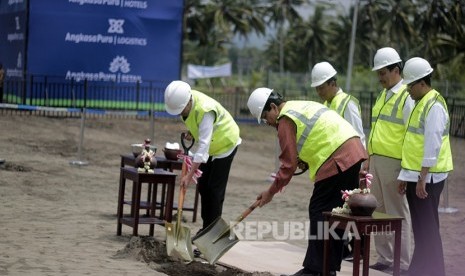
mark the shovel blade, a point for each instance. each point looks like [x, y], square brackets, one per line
[215, 240]
[178, 242]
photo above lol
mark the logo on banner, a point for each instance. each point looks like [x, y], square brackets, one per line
[16, 36]
[18, 71]
[134, 4]
[19, 61]
[116, 26]
[119, 64]
[119, 68]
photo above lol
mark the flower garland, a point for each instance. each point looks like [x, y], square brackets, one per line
[346, 194]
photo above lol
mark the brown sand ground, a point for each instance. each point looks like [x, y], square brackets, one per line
[58, 219]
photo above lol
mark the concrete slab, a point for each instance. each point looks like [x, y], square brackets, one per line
[274, 257]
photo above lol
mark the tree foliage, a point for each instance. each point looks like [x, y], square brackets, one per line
[433, 29]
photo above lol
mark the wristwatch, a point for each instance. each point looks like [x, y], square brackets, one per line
[420, 178]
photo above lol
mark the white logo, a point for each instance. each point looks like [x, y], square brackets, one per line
[119, 63]
[17, 23]
[116, 26]
[19, 62]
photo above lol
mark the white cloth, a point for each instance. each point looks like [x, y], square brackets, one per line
[353, 116]
[200, 72]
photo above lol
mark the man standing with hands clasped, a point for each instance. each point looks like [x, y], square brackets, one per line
[426, 161]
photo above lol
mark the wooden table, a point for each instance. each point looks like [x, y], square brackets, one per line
[167, 164]
[364, 225]
[159, 176]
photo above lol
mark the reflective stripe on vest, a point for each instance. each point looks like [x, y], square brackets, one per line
[320, 131]
[225, 130]
[340, 101]
[310, 123]
[387, 126]
[414, 141]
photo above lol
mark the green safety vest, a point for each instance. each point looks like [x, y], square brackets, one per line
[225, 130]
[320, 131]
[340, 101]
[414, 140]
[387, 126]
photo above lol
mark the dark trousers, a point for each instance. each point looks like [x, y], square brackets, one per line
[212, 187]
[428, 258]
[326, 196]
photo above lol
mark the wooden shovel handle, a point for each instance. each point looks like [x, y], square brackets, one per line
[182, 193]
[248, 211]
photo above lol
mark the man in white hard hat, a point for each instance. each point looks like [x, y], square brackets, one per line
[311, 133]
[218, 137]
[324, 80]
[388, 124]
[426, 162]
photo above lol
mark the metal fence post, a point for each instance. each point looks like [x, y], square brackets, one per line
[152, 114]
[79, 161]
[446, 209]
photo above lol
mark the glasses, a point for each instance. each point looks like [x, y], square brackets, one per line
[263, 117]
[412, 84]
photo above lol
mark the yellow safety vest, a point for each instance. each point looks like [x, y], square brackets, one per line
[340, 102]
[320, 131]
[387, 126]
[225, 130]
[414, 141]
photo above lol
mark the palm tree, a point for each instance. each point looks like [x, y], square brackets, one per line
[279, 13]
[211, 24]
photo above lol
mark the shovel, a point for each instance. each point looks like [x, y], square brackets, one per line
[178, 237]
[215, 240]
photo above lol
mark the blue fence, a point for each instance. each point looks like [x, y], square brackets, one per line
[47, 94]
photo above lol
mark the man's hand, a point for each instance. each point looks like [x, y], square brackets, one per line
[188, 136]
[186, 180]
[421, 188]
[402, 187]
[265, 197]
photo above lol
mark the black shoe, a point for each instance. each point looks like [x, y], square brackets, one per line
[380, 267]
[306, 272]
[197, 234]
[349, 258]
[197, 253]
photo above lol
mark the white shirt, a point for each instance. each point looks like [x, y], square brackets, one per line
[353, 116]
[435, 124]
[205, 137]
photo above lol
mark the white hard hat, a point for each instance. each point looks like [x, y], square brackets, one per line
[177, 95]
[415, 69]
[384, 57]
[322, 72]
[257, 101]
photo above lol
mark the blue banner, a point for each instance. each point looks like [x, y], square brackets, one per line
[105, 40]
[13, 37]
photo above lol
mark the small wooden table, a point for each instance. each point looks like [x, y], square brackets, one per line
[171, 165]
[364, 225]
[159, 176]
